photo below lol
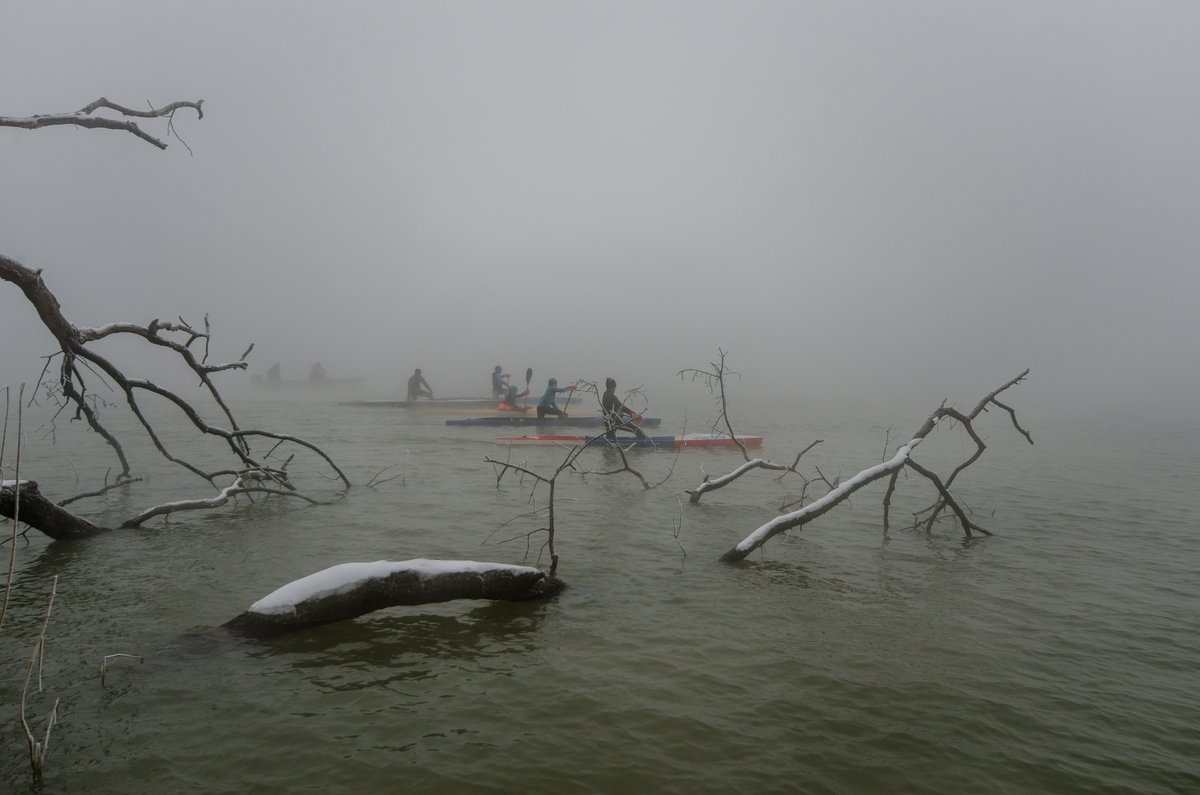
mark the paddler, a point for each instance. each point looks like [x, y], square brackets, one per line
[615, 411]
[418, 387]
[509, 401]
[499, 382]
[547, 405]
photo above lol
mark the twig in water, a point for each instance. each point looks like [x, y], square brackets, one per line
[37, 750]
[107, 657]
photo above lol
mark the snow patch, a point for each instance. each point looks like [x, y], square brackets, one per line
[347, 576]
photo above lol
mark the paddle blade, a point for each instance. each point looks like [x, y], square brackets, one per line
[528, 375]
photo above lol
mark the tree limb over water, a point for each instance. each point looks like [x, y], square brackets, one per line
[891, 468]
[68, 374]
[70, 386]
[714, 379]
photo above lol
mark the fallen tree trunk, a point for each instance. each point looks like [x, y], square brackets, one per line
[349, 590]
[42, 514]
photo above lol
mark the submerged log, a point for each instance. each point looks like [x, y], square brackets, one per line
[42, 514]
[349, 590]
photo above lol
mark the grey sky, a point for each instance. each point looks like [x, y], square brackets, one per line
[916, 196]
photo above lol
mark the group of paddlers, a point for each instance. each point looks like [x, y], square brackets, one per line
[509, 395]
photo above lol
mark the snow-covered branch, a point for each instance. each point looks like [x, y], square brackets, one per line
[250, 482]
[819, 507]
[889, 468]
[714, 380]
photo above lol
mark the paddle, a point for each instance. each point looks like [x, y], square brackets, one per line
[528, 378]
[570, 395]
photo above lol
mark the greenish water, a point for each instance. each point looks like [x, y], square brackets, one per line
[1060, 655]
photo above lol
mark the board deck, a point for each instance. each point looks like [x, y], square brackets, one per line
[709, 440]
[594, 420]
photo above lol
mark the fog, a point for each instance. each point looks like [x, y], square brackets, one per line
[917, 198]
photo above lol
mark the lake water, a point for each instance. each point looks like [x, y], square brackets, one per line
[1060, 655]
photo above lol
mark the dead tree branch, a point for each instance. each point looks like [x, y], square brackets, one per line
[714, 379]
[249, 482]
[71, 389]
[84, 118]
[888, 468]
[932, 512]
[620, 449]
[568, 463]
[24, 503]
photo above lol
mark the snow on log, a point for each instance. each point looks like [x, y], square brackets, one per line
[349, 590]
[42, 514]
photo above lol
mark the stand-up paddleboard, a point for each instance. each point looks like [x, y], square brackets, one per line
[712, 440]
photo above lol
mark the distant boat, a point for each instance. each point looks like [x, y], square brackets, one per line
[709, 440]
[531, 418]
[448, 405]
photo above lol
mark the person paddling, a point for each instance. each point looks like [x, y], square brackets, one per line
[615, 411]
[509, 401]
[547, 405]
[418, 387]
[499, 382]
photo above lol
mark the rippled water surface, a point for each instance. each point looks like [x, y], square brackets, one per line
[1061, 654]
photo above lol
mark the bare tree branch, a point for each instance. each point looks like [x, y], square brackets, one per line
[888, 468]
[249, 482]
[71, 389]
[714, 379]
[931, 513]
[84, 118]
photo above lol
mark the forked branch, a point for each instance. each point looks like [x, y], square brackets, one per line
[72, 388]
[889, 468]
[714, 379]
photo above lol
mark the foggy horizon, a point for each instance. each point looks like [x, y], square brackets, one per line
[850, 199]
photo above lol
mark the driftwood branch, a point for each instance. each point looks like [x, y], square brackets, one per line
[889, 468]
[71, 388]
[569, 463]
[84, 117]
[503, 467]
[932, 512]
[620, 449]
[249, 482]
[26, 504]
[714, 379]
